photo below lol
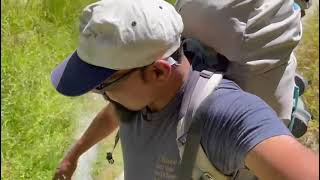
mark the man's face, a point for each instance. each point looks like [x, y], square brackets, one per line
[136, 88]
[132, 92]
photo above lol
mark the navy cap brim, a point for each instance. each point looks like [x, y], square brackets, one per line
[75, 77]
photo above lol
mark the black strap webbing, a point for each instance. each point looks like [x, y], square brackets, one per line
[109, 154]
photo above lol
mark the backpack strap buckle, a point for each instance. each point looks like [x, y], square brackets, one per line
[206, 176]
[206, 74]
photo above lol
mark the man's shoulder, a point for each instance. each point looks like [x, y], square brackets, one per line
[230, 100]
[235, 121]
[228, 91]
[228, 85]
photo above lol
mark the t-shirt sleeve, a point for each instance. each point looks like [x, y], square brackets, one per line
[235, 122]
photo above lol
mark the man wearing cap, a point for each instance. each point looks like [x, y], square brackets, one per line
[130, 52]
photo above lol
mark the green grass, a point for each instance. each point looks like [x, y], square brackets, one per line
[102, 169]
[38, 124]
[307, 54]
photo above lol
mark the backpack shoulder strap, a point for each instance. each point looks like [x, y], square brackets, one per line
[204, 170]
[189, 144]
[194, 162]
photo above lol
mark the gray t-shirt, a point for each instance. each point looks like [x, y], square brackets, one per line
[235, 121]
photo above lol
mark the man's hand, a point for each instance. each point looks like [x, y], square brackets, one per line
[102, 125]
[65, 169]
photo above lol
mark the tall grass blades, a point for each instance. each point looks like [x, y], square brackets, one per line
[36, 122]
[307, 54]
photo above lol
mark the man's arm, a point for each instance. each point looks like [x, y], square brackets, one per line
[241, 129]
[283, 158]
[102, 125]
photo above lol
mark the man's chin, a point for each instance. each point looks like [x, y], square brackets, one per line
[125, 114]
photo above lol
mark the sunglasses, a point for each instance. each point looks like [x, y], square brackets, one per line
[105, 86]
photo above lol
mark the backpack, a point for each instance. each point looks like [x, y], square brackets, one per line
[190, 149]
[303, 5]
[194, 161]
[218, 63]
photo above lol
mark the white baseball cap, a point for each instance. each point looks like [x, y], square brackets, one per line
[117, 35]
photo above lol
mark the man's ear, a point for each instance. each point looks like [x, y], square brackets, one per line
[158, 72]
